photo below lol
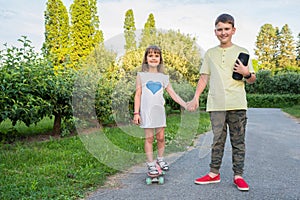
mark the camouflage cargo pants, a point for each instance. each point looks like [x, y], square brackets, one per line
[236, 120]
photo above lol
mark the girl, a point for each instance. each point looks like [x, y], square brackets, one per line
[149, 110]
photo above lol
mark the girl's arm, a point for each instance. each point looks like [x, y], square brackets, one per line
[137, 101]
[174, 96]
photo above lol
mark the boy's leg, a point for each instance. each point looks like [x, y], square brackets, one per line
[237, 121]
[219, 128]
[149, 137]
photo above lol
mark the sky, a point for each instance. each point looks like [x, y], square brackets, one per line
[193, 17]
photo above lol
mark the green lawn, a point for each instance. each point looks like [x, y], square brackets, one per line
[294, 111]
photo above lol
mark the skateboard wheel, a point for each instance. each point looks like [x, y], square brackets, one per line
[148, 181]
[161, 180]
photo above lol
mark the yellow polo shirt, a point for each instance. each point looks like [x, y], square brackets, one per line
[225, 93]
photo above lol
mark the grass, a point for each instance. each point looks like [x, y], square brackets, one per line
[294, 111]
[56, 169]
[71, 167]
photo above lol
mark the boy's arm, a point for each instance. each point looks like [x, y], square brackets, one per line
[174, 96]
[194, 104]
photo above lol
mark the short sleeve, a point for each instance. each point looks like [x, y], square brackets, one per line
[204, 69]
[166, 81]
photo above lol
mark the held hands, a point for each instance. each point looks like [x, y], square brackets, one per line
[192, 105]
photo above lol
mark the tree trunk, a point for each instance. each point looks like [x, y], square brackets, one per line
[57, 124]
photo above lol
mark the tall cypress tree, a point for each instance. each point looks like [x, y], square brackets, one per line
[298, 50]
[286, 55]
[55, 47]
[85, 34]
[149, 32]
[267, 46]
[129, 31]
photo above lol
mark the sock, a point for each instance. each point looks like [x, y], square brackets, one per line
[160, 158]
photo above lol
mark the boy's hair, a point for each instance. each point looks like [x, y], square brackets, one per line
[155, 49]
[225, 18]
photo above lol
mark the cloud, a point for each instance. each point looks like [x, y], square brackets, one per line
[7, 14]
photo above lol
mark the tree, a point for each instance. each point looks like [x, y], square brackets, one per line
[266, 46]
[84, 34]
[148, 33]
[286, 55]
[181, 56]
[56, 43]
[298, 50]
[129, 31]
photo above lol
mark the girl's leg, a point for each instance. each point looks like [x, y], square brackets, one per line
[149, 137]
[160, 137]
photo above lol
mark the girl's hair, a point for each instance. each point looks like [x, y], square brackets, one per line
[154, 49]
[225, 18]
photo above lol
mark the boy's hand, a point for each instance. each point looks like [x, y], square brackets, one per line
[241, 69]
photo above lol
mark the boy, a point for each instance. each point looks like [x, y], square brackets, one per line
[226, 101]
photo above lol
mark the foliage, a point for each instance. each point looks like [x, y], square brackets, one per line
[30, 90]
[131, 62]
[286, 55]
[182, 56]
[84, 32]
[180, 53]
[281, 83]
[129, 31]
[148, 33]
[266, 46]
[298, 50]
[275, 49]
[56, 45]
[272, 100]
[24, 77]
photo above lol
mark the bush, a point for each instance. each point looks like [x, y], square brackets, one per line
[281, 83]
[272, 100]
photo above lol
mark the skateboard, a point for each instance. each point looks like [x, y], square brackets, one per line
[159, 178]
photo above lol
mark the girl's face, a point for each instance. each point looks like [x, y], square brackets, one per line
[153, 59]
[224, 33]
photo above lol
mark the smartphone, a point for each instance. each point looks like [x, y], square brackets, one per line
[244, 58]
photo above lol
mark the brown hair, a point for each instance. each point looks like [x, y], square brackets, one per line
[225, 18]
[155, 49]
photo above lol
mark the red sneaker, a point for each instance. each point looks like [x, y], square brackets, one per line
[241, 184]
[207, 179]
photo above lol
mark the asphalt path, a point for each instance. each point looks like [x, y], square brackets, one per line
[271, 167]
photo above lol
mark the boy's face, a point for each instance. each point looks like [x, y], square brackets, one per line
[224, 32]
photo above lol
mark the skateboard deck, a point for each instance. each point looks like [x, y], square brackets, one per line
[159, 178]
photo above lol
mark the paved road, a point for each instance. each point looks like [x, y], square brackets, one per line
[271, 168]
